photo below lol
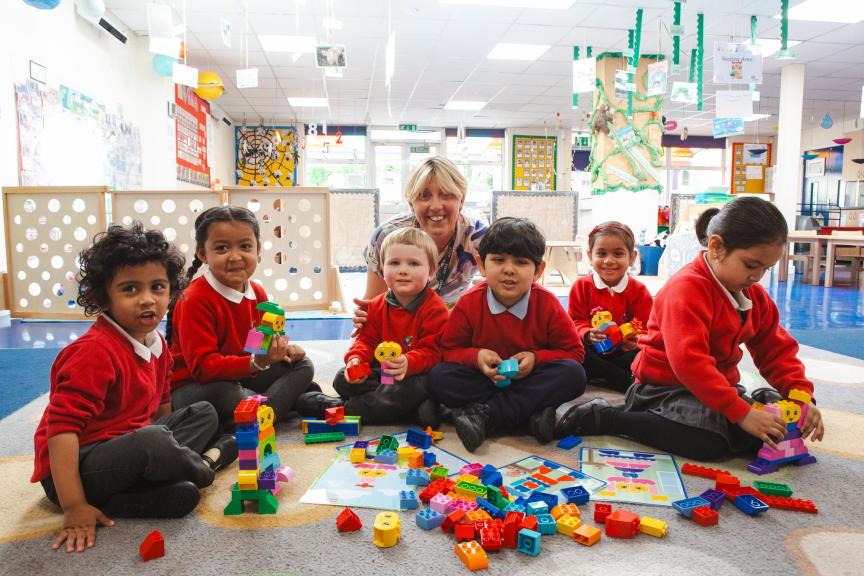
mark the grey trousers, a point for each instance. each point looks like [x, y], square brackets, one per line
[378, 403]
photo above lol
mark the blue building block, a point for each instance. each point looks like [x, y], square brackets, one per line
[537, 508]
[576, 495]
[267, 480]
[407, 500]
[750, 505]
[428, 459]
[521, 501]
[428, 519]
[387, 457]
[247, 438]
[569, 442]
[484, 504]
[417, 477]
[551, 500]
[687, 505]
[490, 476]
[546, 524]
[364, 444]
[528, 542]
[715, 497]
[270, 462]
[419, 438]
[508, 368]
[514, 507]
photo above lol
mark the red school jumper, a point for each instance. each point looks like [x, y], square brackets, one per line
[694, 335]
[634, 302]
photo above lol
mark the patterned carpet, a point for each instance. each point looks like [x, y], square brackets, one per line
[302, 539]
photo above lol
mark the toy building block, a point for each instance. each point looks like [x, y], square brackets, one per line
[537, 508]
[602, 320]
[687, 505]
[469, 478]
[407, 500]
[724, 482]
[387, 442]
[387, 457]
[528, 542]
[417, 477]
[267, 480]
[473, 468]
[546, 524]
[792, 448]
[488, 507]
[514, 507]
[601, 512]
[472, 555]
[429, 459]
[490, 537]
[569, 442]
[439, 473]
[702, 471]
[529, 522]
[247, 479]
[462, 504]
[565, 510]
[452, 520]
[246, 411]
[272, 323]
[576, 495]
[357, 456]
[470, 490]
[653, 526]
[437, 435]
[152, 547]
[441, 503]
[509, 369]
[800, 396]
[334, 415]
[773, 488]
[384, 352]
[386, 530]
[551, 500]
[267, 503]
[622, 524]
[793, 504]
[357, 371]
[415, 460]
[496, 498]
[463, 532]
[567, 524]
[714, 497]
[477, 515]
[348, 521]
[733, 493]
[490, 476]
[587, 535]
[750, 505]
[418, 438]
[511, 527]
[428, 519]
[705, 516]
[326, 437]
[635, 326]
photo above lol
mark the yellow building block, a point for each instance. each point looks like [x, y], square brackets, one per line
[565, 510]
[266, 417]
[653, 526]
[586, 535]
[247, 479]
[474, 515]
[800, 396]
[472, 555]
[357, 455]
[470, 478]
[567, 524]
[405, 452]
[386, 530]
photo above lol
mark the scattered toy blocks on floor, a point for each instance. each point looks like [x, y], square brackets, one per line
[622, 524]
[653, 526]
[587, 535]
[152, 547]
[528, 542]
[569, 442]
[705, 516]
[348, 521]
[386, 530]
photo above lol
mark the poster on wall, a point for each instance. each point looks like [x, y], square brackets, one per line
[267, 155]
[750, 162]
[737, 64]
[191, 127]
[534, 162]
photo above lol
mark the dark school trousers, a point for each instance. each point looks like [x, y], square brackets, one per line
[378, 403]
[613, 369]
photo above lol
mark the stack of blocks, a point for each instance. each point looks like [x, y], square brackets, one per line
[334, 428]
[791, 449]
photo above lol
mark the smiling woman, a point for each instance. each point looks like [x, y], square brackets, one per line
[436, 194]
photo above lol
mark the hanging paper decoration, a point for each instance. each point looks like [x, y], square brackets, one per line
[700, 55]
[676, 39]
[43, 4]
[752, 43]
[163, 65]
[827, 121]
[784, 53]
[575, 95]
[634, 60]
[841, 141]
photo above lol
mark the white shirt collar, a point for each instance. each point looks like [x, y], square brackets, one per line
[227, 292]
[153, 341]
[738, 300]
[618, 288]
[519, 309]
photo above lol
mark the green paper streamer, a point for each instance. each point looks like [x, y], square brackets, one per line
[692, 66]
[588, 52]
[752, 42]
[575, 95]
[676, 39]
[634, 60]
[784, 24]
[700, 55]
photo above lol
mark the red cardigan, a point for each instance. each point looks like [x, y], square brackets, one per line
[693, 339]
[634, 302]
[100, 389]
[546, 330]
[417, 332]
[210, 334]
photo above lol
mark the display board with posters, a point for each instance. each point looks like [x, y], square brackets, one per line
[533, 166]
[191, 127]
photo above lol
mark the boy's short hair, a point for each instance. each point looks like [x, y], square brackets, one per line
[411, 237]
[516, 237]
[124, 246]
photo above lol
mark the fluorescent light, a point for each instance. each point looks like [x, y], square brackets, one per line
[768, 46]
[296, 102]
[464, 105]
[754, 117]
[541, 4]
[283, 43]
[843, 11]
[505, 51]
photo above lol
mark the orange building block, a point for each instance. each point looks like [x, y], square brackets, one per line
[565, 510]
[472, 555]
[586, 535]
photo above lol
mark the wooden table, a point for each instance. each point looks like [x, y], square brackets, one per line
[802, 237]
[833, 241]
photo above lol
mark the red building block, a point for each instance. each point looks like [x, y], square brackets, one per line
[246, 411]
[490, 538]
[153, 546]
[601, 511]
[705, 516]
[348, 521]
[622, 524]
[357, 371]
[464, 532]
[452, 520]
[334, 415]
[703, 471]
[732, 493]
[511, 528]
[724, 482]
[793, 504]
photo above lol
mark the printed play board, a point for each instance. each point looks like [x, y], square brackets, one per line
[634, 477]
[534, 473]
[371, 484]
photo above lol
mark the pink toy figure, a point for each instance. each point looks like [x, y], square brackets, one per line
[791, 448]
[387, 351]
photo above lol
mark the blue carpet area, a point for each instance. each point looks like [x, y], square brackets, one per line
[25, 377]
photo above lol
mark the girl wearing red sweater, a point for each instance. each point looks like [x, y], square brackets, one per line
[610, 287]
[207, 328]
[687, 398]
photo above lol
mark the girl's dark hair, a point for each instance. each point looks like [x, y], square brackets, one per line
[202, 226]
[123, 246]
[516, 237]
[612, 228]
[743, 223]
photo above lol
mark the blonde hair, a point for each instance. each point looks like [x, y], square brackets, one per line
[411, 237]
[445, 173]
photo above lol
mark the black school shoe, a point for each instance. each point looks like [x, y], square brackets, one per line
[583, 418]
[312, 404]
[166, 501]
[222, 453]
[766, 395]
[542, 424]
[429, 414]
[472, 425]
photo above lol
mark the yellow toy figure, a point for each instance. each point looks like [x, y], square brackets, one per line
[272, 322]
[791, 448]
[387, 351]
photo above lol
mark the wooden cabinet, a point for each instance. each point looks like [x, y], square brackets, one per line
[852, 150]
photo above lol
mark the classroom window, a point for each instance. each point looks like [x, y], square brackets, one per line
[480, 158]
[336, 159]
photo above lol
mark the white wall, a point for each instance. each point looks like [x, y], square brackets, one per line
[89, 60]
[818, 137]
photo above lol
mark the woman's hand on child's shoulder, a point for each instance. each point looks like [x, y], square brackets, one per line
[360, 315]
[526, 360]
[764, 425]
[487, 362]
[79, 527]
[813, 424]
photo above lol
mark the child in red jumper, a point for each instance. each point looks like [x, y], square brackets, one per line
[687, 398]
[508, 317]
[207, 328]
[410, 314]
[108, 442]
[610, 287]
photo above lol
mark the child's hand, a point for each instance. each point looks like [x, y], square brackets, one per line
[629, 343]
[487, 362]
[526, 360]
[396, 368]
[353, 362]
[294, 353]
[593, 336]
[813, 423]
[79, 527]
[277, 352]
[764, 425]
[360, 314]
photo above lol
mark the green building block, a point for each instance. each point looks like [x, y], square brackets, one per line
[267, 503]
[387, 442]
[773, 489]
[494, 496]
[323, 437]
[439, 473]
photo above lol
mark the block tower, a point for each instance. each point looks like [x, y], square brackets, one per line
[791, 449]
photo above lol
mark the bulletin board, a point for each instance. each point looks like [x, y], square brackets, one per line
[554, 213]
[354, 216]
[749, 164]
[193, 166]
[267, 155]
[534, 162]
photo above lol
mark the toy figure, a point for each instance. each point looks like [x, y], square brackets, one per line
[272, 322]
[791, 449]
[387, 351]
